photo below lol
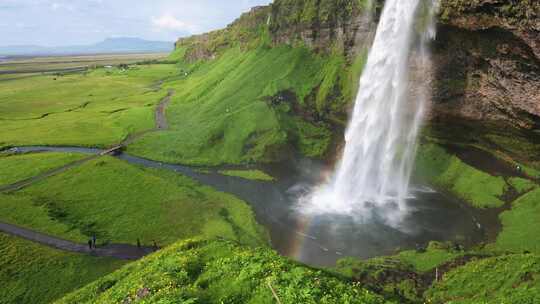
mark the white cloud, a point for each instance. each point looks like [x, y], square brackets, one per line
[169, 22]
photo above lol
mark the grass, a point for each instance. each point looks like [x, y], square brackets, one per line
[436, 254]
[220, 272]
[521, 185]
[31, 212]
[391, 277]
[98, 108]
[399, 277]
[34, 274]
[249, 174]
[221, 112]
[504, 279]
[447, 171]
[14, 168]
[520, 225]
[121, 203]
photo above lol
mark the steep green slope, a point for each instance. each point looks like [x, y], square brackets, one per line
[222, 111]
[249, 105]
[220, 272]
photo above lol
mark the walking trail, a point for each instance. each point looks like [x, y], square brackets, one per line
[118, 251]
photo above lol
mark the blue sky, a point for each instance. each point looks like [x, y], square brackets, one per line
[69, 22]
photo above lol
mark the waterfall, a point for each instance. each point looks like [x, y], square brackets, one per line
[375, 169]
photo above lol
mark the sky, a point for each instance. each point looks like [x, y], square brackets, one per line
[75, 22]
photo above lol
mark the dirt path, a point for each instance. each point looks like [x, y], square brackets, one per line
[160, 117]
[118, 251]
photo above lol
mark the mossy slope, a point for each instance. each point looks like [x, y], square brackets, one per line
[220, 272]
[468, 183]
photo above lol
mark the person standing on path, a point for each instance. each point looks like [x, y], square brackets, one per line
[139, 243]
[90, 244]
[94, 240]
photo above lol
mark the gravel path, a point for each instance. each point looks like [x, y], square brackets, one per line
[118, 251]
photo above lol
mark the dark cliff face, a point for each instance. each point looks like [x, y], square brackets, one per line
[487, 62]
[486, 55]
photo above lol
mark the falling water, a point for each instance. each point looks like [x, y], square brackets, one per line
[377, 161]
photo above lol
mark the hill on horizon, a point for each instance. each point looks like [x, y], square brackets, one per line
[109, 45]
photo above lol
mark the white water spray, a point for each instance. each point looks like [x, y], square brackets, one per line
[375, 170]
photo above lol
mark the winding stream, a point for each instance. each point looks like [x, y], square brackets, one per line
[322, 240]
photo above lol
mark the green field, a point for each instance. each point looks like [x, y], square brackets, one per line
[58, 63]
[98, 108]
[14, 168]
[249, 174]
[34, 274]
[121, 203]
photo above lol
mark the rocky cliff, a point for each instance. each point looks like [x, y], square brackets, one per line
[486, 55]
[487, 61]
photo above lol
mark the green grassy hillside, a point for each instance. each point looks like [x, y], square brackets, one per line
[220, 272]
[247, 106]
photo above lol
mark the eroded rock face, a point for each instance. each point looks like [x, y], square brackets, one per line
[322, 25]
[487, 63]
[487, 74]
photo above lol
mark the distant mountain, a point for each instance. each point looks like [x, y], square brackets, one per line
[110, 45]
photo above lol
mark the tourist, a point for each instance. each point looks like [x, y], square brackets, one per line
[90, 244]
[94, 241]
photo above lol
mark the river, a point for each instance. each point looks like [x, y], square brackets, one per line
[323, 239]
